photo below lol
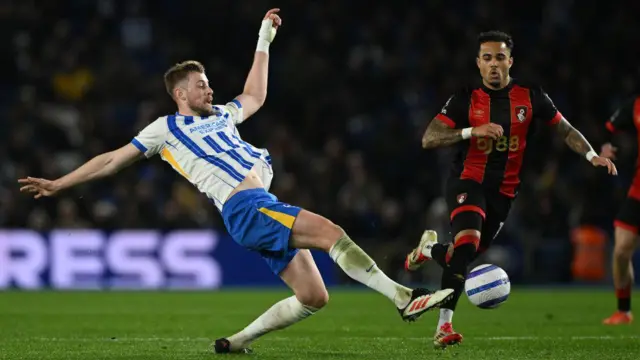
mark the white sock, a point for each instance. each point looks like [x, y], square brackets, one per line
[284, 313]
[360, 267]
[446, 316]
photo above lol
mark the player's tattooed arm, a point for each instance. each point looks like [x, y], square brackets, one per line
[439, 134]
[573, 138]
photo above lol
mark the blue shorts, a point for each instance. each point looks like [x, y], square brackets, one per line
[256, 220]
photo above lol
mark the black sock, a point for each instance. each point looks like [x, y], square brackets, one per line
[439, 254]
[624, 298]
[624, 304]
[455, 274]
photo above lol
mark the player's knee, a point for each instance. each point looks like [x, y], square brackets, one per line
[624, 248]
[328, 233]
[467, 238]
[315, 231]
[315, 298]
[332, 230]
[466, 227]
[468, 232]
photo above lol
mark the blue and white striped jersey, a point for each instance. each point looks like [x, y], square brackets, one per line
[207, 151]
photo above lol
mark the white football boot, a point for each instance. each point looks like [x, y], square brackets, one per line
[422, 253]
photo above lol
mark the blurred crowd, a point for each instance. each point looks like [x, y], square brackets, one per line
[352, 86]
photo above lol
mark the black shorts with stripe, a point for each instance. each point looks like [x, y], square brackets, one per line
[469, 196]
[629, 215]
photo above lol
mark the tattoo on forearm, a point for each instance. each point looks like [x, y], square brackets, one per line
[573, 138]
[439, 134]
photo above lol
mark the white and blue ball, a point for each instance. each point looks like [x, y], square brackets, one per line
[487, 286]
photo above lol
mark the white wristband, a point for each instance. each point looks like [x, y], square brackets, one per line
[263, 45]
[466, 133]
[590, 155]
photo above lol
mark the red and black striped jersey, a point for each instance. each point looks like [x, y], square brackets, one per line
[518, 108]
[627, 118]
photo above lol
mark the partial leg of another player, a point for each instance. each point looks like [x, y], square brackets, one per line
[312, 231]
[310, 295]
[626, 242]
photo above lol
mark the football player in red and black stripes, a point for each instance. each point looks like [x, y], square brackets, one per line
[490, 126]
[627, 222]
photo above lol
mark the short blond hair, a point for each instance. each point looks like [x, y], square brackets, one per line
[180, 72]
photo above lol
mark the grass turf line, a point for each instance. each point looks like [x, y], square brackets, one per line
[533, 324]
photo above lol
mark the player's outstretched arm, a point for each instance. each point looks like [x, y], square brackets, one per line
[578, 143]
[100, 166]
[439, 134]
[255, 88]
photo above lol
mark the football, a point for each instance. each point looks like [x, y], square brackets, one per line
[487, 286]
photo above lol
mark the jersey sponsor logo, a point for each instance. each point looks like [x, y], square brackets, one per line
[521, 113]
[209, 127]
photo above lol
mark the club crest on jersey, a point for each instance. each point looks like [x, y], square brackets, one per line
[461, 198]
[521, 113]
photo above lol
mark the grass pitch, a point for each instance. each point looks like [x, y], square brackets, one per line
[533, 324]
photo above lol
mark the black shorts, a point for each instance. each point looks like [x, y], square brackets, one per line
[493, 207]
[629, 215]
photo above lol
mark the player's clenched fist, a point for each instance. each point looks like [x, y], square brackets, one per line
[490, 130]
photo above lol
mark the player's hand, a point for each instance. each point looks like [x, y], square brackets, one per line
[274, 17]
[608, 151]
[39, 187]
[493, 131]
[270, 25]
[603, 161]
